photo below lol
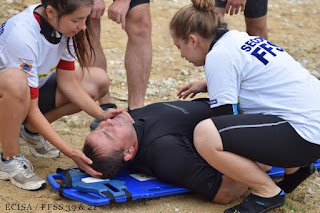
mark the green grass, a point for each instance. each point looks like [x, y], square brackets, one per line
[290, 206]
[72, 125]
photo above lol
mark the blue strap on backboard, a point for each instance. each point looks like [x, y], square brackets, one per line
[105, 188]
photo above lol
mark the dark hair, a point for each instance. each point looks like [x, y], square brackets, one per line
[198, 17]
[109, 165]
[83, 39]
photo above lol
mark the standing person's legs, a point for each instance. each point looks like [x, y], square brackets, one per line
[138, 56]
[256, 18]
[220, 10]
[257, 26]
[100, 58]
[100, 61]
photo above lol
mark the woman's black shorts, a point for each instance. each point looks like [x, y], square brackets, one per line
[47, 95]
[267, 139]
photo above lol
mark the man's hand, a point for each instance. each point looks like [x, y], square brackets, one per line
[234, 6]
[118, 11]
[98, 8]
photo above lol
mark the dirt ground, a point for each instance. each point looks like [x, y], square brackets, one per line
[293, 25]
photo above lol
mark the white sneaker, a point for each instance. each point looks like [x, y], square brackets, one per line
[20, 172]
[38, 146]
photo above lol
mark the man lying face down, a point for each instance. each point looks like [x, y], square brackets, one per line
[159, 143]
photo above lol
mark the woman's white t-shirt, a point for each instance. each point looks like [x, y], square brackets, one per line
[23, 46]
[262, 78]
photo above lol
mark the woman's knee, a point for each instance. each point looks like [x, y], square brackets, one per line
[201, 132]
[96, 82]
[206, 133]
[15, 84]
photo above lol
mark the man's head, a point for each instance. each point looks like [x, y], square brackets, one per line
[111, 145]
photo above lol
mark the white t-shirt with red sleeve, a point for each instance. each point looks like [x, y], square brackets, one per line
[23, 46]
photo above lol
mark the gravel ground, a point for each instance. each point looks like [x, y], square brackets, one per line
[293, 25]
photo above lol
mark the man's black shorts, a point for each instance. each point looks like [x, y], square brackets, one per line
[134, 3]
[253, 9]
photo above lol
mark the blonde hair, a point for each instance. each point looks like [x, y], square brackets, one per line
[198, 17]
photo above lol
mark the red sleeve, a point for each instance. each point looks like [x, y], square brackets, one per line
[66, 65]
[34, 92]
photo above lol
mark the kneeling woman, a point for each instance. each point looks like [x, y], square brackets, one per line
[278, 98]
[38, 48]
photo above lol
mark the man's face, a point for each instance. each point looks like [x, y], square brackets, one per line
[116, 133]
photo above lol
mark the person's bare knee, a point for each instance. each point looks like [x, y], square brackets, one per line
[138, 22]
[199, 134]
[95, 81]
[206, 130]
[15, 84]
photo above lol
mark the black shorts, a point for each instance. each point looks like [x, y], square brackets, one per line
[134, 3]
[47, 95]
[174, 159]
[253, 9]
[267, 139]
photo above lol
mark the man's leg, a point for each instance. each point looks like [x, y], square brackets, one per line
[138, 56]
[100, 58]
[257, 26]
[220, 13]
[99, 61]
[256, 17]
[220, 10]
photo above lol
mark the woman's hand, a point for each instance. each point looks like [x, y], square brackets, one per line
[111, 113]
[84, 163]
[192, 88]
